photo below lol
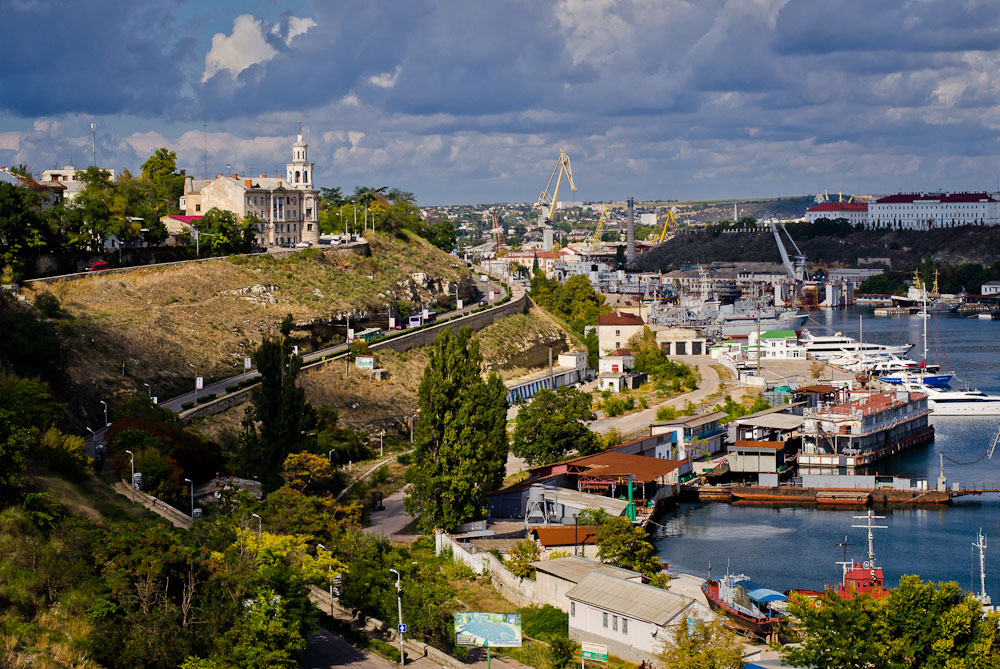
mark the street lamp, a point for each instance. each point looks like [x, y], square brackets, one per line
[195, 381]
[149, 389]
[399, 606]
[260, 527]
[192, 498]
[411, 425]
[330, 578]
[330, 455]
[132, 458]
[381, 435]
[105, 412]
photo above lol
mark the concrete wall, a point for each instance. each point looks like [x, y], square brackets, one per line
[519, 591]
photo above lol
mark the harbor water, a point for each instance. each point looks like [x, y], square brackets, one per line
[797, 547]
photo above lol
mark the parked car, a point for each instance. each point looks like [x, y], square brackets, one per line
[303, 245]
[98, 266]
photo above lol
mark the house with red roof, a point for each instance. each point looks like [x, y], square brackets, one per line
[855, 213]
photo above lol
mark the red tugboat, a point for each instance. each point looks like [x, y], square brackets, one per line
[749, 606]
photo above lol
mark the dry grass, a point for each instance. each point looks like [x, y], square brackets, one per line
[158, 320]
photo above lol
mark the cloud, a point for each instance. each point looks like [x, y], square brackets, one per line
[246, 46]
[10, 140]
[385, 79]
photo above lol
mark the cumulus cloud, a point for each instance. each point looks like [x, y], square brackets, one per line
[10, 140]
[234, 53]
[385, 79]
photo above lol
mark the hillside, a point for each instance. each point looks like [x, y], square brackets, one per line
[903, 248]
[512, 347]
[158, 321]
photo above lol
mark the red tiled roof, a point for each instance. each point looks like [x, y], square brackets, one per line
[620, 319]
[564, 535]
[186, 219]
[906, 198]
[840, 206]
[620, 352]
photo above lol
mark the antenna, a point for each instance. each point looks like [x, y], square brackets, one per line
[871, 543]
[204, 135]
[983, 598]
[93, 139]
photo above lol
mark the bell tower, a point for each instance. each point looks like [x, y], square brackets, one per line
[299, 172]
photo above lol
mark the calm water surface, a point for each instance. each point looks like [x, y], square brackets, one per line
[797, 547]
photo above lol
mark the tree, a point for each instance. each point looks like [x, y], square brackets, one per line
[442, 235]
[279, 416]
[366, 195]
[224, 233]
[461, 435]
[304, 471]
[551, 426]
[523, 553]
[19, 229]
[165, 182]
[622, 544]
[837, 632]
[706, 646]
[265, 638]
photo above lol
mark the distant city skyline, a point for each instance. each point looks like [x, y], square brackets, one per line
[466, 103]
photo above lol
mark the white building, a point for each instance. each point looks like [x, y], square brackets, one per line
[647, 220]
[990, 288]
[67, 177]
[690, 436]
[287, 207]
[616, 362]
[856, 213]
[924, 211]
[632, 619]
[615, 330]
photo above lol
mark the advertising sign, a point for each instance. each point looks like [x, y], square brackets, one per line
[365, 362]
[594, 651]
[492, 630]
[247, 364]
[199, 383]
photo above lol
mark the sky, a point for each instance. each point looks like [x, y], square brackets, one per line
[470, 101]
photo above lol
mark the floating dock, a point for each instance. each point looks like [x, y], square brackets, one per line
[836, 496]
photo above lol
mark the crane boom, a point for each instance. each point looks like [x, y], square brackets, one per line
[670, 219]
[595, 238]
[549, 202]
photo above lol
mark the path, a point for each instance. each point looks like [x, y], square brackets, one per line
[177, 518]
[392, 520]
[640, 420]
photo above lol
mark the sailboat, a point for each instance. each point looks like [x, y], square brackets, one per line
[921, 375]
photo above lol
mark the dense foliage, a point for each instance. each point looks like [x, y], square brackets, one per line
[551, 426]
[918, 625]
[622, 544]
[702, 646]
[575, 301]
[667, 374]
[374, 208]
[461, 435]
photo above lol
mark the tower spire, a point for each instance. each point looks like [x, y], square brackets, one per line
[300, 131]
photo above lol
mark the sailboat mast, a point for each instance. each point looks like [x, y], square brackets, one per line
[926, 316]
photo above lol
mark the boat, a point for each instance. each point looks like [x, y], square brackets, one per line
[862, 578]
[947, 402]
[736, 320]
[922, 375]
[825, 347]
[752, 608]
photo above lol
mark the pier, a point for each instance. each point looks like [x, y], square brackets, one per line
[793, 495]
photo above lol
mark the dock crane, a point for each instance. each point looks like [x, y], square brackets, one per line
[796, 271]
[547, 202]
[666, 223]
[594, 242]
[497, 231]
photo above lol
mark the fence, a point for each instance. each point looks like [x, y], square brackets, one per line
[517, 590]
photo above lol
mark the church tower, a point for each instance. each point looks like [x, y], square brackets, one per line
[299, 172]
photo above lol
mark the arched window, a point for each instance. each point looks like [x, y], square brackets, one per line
[296, 176]
[305, 176]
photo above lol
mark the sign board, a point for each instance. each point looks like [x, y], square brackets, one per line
[199, 383]
[295, 349]
[594, 651]
[137, 480]
[247, 363]
[392, 322]
[425, 313]
[156, 400]
[458, 304]
[402, 628]
[365, 362]
[492, 295]
[493, 630]
[350, 334]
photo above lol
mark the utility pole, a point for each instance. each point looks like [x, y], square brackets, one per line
[399, 606]
[192, 498]
[93, 139]
[132, 458]
[330, 578]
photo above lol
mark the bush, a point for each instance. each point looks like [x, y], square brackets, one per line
[48, 305]
[405, 458]
[384, 649]
[521, 556]
[233, 388]
[380, 475]
[667, 413]
[544, 622]
[206, 398]
[187, 405]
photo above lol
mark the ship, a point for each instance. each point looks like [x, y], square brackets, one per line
[735, 320]
[750, 607]
[827, 347]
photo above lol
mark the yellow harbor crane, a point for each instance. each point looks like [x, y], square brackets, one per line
[666, 224]
[594, 242]
[497, 231]
[547, 202]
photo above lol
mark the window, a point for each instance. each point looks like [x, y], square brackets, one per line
[605, 620]
[309, 227]
[197, 207]
[572, 609]
[624, 625]
[614, 623]
[618, 333]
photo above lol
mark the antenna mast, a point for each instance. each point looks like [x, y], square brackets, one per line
[204, 135]
[870, 564]
[983, 598]
[93, 139]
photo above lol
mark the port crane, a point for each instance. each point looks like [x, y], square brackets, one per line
[594, 242]
[547, 202]
[666, 224]
[796, 271]
[497, 231]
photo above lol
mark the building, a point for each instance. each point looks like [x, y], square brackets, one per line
[692, 436]
[924, 211]
[67, 176]
[554, 578]
[856, 213]
[680, 341]
[990, 288]
[837, 438]
[542, 501]
[764, 440]
[774, 345]
[287, 207]
[615, 330]
[618, 382]
[617, 361]
[570, 369]
[581, 539]
[632, 619]
[50, 193]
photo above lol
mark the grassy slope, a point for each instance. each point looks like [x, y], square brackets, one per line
[158, 320]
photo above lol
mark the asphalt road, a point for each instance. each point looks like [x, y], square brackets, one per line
[325, 649]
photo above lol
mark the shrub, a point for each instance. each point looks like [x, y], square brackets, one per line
[544, 622]
[667, 413]
[48, 305]
[233, 388]
[380, 475]
[405, 458]
[521, 556]
[187, 405]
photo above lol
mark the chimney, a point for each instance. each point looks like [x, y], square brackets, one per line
[236, 176]
[248, 183]
[263, 176]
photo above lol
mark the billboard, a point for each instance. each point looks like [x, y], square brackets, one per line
[495, 630]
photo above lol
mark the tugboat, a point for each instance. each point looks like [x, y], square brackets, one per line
[750, 607]
[862, 578]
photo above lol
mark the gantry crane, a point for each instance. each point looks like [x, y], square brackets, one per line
[666, 223]
[594, 242]
[547, 202]
[497, 231]
[796, 271]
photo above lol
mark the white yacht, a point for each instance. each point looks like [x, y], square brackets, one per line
[826, 347]
[948, 402]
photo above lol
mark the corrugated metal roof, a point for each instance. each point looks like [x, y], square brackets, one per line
[574, 569]
[744, 444]
[585, 500]
[777, 421]
[630, 599]
[612, 464]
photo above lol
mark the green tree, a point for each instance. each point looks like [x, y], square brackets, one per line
[461, 435]
[20, 230]
[264, 638]
[442, 235]
[706, 646]
[520, 557]
[551, 426]
[366, 195]
[837, 633]
[279, 416]
[223, 232]
[165, 181]
[622, 544]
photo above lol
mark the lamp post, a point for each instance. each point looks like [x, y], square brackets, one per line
[195, 381]
[192, 498]
[149, 389]
[105, 412]
[399, 606]
[93, 438]
[330, 455]
[260, 527]
[132, 457]
[330, 578]
[381, 451]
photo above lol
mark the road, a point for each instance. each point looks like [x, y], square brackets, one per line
[640, 420]
[219, 387]
[393, 519]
